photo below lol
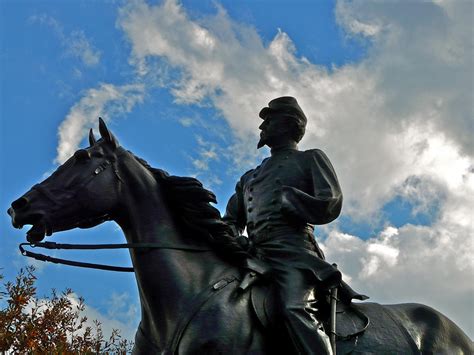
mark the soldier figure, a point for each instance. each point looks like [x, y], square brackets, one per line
[279, 202]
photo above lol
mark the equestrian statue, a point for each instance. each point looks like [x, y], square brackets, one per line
[206, 289]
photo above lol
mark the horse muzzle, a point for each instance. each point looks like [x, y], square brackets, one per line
[19, 211]
[22, 214]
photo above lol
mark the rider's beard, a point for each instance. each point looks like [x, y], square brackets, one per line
[263, 140]
[261, 143]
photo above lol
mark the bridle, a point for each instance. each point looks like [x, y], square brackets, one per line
[52, 245]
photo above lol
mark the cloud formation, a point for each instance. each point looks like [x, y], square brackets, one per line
[107, 101]
[421, 60]
[208, 153]
[122, 317]
[396, 124]
[75, 44]
[112, 320]
[407, 264]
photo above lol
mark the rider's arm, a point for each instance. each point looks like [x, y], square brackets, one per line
[235, 212]
[236, 219]
[322, 202]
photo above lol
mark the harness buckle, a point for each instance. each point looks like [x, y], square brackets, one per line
[220, 284]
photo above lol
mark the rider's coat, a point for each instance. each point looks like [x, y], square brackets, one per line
[286, 195]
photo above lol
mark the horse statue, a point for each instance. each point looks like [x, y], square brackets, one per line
[189, 294]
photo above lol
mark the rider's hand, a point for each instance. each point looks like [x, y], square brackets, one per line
[243, 242]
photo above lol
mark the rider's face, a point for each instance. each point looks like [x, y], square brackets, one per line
[275, 129]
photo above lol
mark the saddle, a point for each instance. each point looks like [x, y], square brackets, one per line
[350, 320]
[263, 303]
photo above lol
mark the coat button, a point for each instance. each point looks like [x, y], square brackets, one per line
[250, 198]
[250, 209]
[251, 189]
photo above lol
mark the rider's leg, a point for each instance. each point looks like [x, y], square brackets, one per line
[303, 330]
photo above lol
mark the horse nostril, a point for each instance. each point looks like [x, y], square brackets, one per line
[22, 202]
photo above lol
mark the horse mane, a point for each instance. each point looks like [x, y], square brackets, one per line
[190, 204]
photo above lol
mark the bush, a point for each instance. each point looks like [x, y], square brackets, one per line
[51, 325]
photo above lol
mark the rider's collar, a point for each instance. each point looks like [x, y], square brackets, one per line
[284, 147]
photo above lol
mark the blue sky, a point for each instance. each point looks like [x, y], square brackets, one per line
[387, 89]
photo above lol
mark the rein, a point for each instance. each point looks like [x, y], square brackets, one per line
[53, 245]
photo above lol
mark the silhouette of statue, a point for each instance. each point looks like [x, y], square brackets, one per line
[189, 290]
[279, 202]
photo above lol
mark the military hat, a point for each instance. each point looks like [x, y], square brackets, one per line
[282, 105]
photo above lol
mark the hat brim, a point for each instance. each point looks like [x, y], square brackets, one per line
[268, 110]
[265, 111]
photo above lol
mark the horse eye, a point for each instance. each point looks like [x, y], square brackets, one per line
[82, 155]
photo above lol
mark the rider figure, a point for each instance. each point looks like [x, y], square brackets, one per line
[279, 202]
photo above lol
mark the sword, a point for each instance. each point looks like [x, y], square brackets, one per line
[332, 325]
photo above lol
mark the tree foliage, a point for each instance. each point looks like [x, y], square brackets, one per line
[53, 325]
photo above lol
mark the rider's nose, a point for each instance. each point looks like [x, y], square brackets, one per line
[22, 202]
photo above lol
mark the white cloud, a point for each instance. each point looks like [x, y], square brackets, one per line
[121, 307]
[212, 57]
[127, 323]
[430, 265]
[79, 46]
[108, 322]
[186, 121]
[208, 153]
[106, 101]
[228, 64]
[75, 44]
[398, 123]
[48, 21]
[200, 164]
[422, 61]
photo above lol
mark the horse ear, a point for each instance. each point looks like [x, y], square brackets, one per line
[106, 134]
[92, 140]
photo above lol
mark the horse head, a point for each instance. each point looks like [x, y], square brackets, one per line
[63, 200]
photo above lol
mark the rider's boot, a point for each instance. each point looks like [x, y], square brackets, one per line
[305, 334]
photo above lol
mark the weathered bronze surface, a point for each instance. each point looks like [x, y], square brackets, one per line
[190, 299]
[279, 202]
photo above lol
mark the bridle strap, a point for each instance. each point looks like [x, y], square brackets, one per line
[53, 245]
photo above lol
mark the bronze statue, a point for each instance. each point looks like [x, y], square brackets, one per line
[279, 202]
[189, 294]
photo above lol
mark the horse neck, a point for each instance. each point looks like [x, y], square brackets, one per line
[167, 279]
